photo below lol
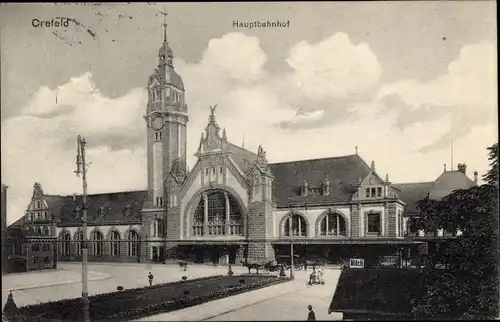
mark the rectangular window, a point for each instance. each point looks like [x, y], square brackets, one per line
[379, 192]
[373, 223]
[158, 136]
[35, 247]
[161, 201]
[46, 260]
[158, 95]
[38, 204]
[367, 192]
[220, 169]
[373, 193]
[37, 216]
[35, 259]
[206, 172]
[32, 216]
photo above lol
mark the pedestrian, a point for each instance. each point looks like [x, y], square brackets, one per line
[311, 316]
[150, 277]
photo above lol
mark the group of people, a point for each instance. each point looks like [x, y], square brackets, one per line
[316, 277]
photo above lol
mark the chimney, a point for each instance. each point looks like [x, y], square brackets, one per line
[475, 177]
[462, 167]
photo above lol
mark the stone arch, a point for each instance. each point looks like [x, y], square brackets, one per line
[126, 236]
[114, 238]
[63, 232]
[111, 230]
[77, 238]
[132, 246]
[64, 242]
[330, 211]
[290, 214]
[78, 231]
[96, 246]
[190, 209]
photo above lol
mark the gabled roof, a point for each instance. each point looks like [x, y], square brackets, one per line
[343, 173]
[448, 182]
[54, 202]
[118, 207]
[243, 158]
[411, 193]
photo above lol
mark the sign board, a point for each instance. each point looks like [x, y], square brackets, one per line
[356, 263]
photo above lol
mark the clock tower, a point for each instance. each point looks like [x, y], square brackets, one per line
[166, 119]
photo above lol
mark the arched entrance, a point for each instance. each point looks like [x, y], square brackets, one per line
[216, 221]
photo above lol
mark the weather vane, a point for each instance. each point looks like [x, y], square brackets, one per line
[212, 109]
[164, 13]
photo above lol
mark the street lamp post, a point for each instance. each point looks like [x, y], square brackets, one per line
[291, 238]
[81, 168]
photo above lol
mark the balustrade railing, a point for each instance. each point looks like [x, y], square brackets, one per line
[218, 228]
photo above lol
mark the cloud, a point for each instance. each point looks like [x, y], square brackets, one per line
[322, 107]
[467, 94]
[40, 144]
[334, 68]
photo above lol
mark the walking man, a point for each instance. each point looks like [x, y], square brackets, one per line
[150, 277]
[311, 316]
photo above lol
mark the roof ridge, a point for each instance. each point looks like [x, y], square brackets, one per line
[99, 193]
[240, 148]
[417, 182]
[318, 159]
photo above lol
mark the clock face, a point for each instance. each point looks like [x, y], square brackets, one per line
[157, 123]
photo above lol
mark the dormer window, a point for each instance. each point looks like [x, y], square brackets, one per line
[373, 192]
[326, 187]
[38, 204]
[304, 190]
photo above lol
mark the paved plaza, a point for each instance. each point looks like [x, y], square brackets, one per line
[286, 301]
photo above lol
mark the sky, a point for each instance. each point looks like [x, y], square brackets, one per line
[399, 80]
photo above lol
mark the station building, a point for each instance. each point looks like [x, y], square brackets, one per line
[233, 203]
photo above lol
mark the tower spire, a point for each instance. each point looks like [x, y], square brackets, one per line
[164, 13]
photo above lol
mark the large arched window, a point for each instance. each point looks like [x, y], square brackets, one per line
[96, 243]
[296, 225]
[78, 242]
[114, 243]
[133, 243]
[333, 225]
[220, 213]
[65, 242]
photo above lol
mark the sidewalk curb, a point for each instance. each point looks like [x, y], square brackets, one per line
[107, 276]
